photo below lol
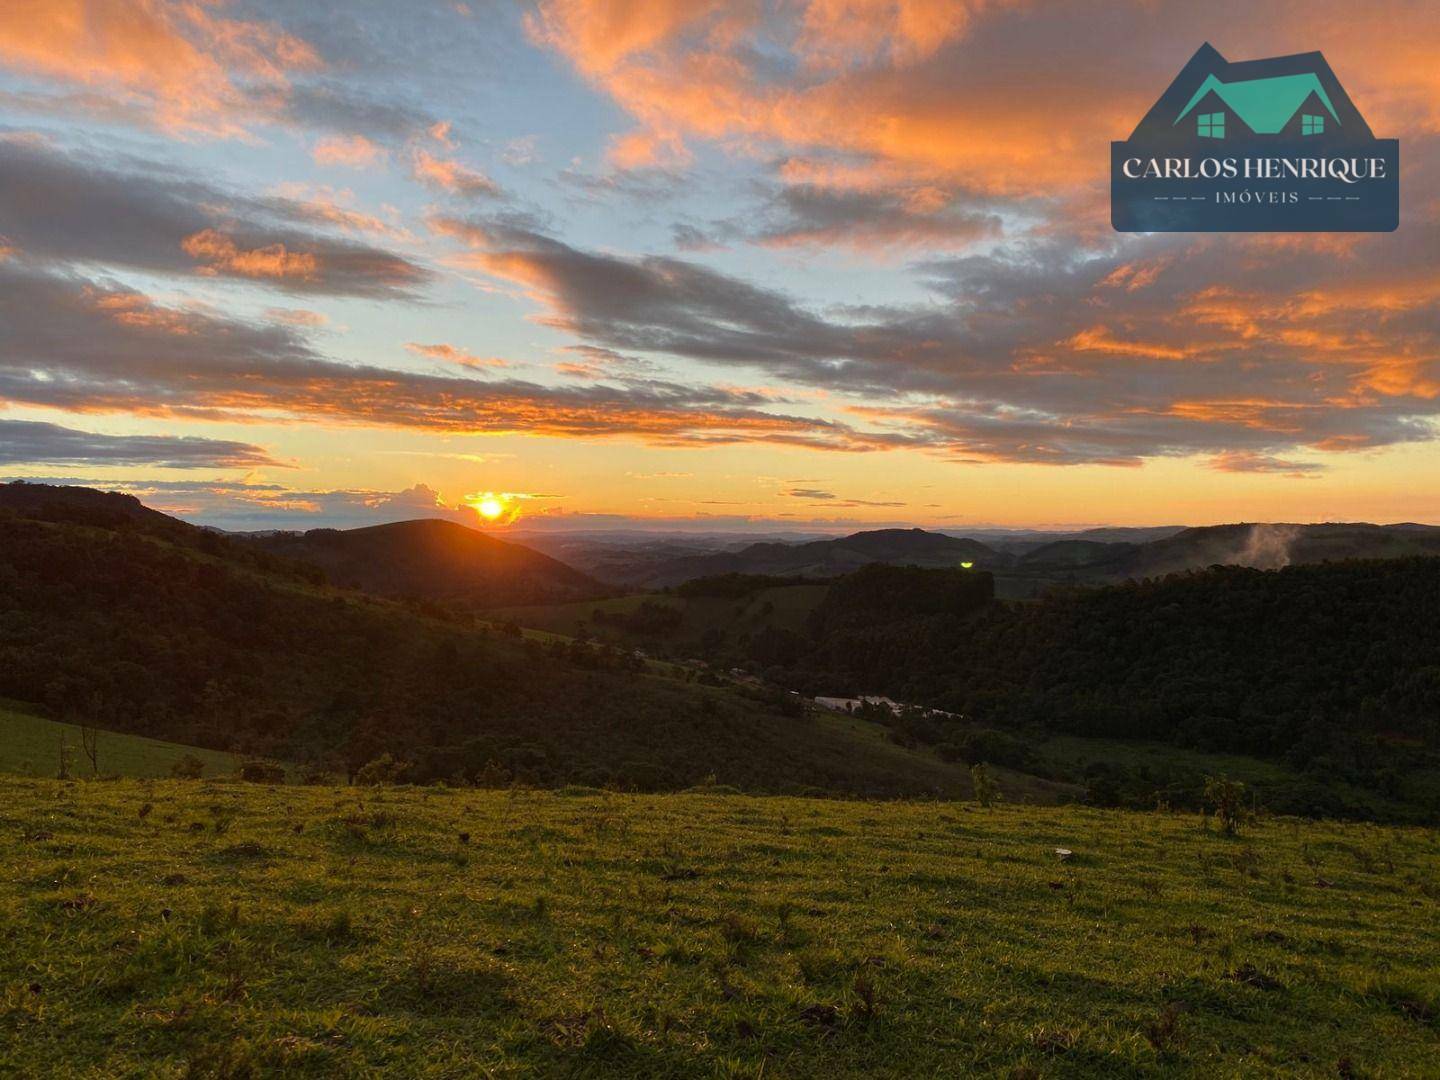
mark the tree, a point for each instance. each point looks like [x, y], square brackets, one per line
[383, 770]
[90, 744]
[65, 753]
[987, 792]
[1227, 799]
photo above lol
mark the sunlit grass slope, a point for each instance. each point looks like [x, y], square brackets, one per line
[30, 745]
[170, 928]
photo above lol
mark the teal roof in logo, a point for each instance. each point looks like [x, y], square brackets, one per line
[1265, 104]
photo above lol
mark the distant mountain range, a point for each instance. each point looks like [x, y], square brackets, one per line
[431, 559]
[1026, 563]
[827, 558]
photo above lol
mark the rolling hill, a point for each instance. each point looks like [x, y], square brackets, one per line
[829, 558]
[423, 559]
[434, 560]
[87, 506]
[142, 625]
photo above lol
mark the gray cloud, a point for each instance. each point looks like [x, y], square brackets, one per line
[1242, 462]
[27, 442]
[1053, 351]
[830, 499]
[74, 343]
[56, 206]
[328, 105]
[813, 215]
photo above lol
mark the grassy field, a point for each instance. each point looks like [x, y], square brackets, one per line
[204, 929]
[30, 745]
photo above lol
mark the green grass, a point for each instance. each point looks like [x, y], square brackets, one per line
[171, 929]
[30, 745]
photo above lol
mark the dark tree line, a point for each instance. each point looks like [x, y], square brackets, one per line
[1333, 668]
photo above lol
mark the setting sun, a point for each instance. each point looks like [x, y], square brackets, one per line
[490, 508]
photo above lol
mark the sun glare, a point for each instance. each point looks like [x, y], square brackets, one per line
[490, 508]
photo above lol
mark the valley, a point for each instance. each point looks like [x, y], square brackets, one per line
[134, 623]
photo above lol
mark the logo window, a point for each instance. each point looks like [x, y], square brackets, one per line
[1312, 125]
[1212, 125]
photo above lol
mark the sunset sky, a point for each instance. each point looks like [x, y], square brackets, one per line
[677, 263]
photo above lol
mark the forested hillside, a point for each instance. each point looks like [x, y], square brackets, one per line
[171, 632]
[1237, 658]
[1333, 669]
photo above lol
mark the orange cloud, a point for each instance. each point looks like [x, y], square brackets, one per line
[1101, 339]
[302, 317]
[1404, 377]
[997, 95]
[451, 355]
[141, 313]
[599, 34]
[1259, 414]
[189, 70]
[220, 253]
[840, 32]
[883, 88]
[352, 151]
[646, 149]
[440, 132]
[451, 176]
[334, 206]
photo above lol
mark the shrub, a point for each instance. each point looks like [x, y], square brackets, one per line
[188, 767]
[987, 744]
[316, 776]
[262, 772]
[382, 770]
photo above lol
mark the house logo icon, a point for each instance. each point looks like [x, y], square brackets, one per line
[1271, 145]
